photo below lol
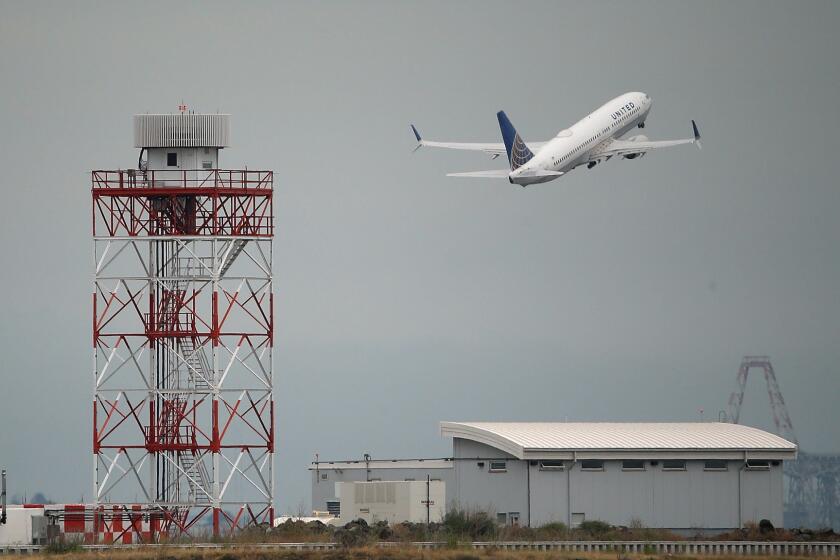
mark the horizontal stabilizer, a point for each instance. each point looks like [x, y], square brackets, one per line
[541, 173]
[490, 174]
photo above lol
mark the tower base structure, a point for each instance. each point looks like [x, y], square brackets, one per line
[183, 409]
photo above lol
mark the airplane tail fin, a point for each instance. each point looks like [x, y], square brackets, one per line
[517, 152]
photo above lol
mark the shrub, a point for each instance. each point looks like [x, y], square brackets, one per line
[355, 534]
[595, 528]
[553, 530]
[62, 547]
[476, 525]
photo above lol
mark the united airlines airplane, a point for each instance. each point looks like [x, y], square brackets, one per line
[591, 140]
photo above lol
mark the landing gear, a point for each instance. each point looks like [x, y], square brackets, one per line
[641, 125]
[591, 164]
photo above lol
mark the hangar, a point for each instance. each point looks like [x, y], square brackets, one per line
[685, 476]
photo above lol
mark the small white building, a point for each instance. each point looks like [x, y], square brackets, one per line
[25, 525]
[394, 501]
[686, 476]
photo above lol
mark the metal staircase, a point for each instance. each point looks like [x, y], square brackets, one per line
[197, 478]
[238, 247]
[199, 373]
[198, 367]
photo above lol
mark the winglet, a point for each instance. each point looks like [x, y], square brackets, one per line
[419, 140]
[696, 134]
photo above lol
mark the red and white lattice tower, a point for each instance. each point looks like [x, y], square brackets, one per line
[183, 412]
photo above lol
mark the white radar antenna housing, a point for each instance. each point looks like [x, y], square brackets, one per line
[182, 142]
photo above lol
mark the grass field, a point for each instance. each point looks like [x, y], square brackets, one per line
[397, 553]
[379, 541]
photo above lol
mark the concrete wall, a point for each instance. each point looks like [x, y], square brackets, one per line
[476, 488]
[549, 496]
[18, 527]
[762, 495]
[188, 158]
[690, 499]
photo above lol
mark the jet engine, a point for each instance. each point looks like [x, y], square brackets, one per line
[637, 138]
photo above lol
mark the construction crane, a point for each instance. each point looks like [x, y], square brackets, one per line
[812, 480]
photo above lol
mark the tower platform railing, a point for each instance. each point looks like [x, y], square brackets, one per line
[196, 202]
[238, 179]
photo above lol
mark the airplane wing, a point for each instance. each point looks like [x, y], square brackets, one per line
[494, 149]
[639, 147]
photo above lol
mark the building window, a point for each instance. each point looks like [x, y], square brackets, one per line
[673, 465]
[632, 465]
[409, 480]
[513, 518]
[207, 165]
[323, 476]
[552, 466]
[498, 466]
[172, 159]
[592, 465]
[715, 465]
[501, 518]
[755, 465]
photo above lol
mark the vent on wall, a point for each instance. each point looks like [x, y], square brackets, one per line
[375, 493]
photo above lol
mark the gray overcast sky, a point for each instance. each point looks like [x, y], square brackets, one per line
[627, 292]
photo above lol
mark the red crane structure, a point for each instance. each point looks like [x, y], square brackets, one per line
[781, 418]
[183, 410]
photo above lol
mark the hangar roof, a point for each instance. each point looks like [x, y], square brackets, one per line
[546, 439]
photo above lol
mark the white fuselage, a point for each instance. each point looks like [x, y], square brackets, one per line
[581, 142]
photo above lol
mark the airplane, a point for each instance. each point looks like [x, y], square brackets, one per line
[594, 139]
